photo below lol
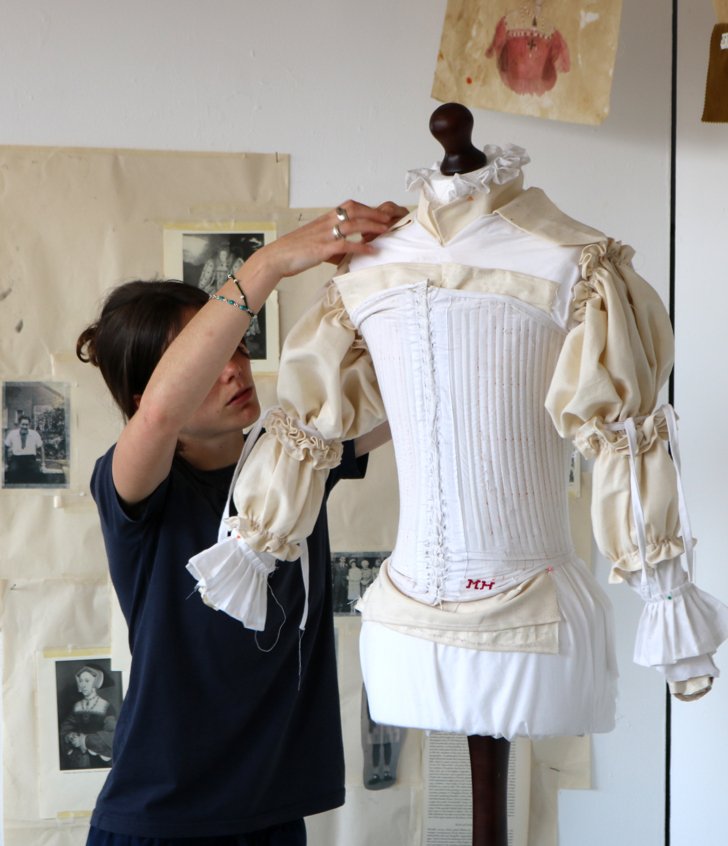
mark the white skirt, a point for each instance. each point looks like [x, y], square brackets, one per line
[414, 682]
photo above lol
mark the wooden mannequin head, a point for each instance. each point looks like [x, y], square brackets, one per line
[452, 126]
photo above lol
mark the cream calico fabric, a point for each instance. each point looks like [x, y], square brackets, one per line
[328, 393]
[493, 329]
[611, 368]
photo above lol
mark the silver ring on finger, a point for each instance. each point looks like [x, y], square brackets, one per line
[337, 233]
[341, 214]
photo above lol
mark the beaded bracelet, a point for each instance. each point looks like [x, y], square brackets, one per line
[242, 305]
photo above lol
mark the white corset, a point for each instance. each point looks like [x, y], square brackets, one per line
[482, 471]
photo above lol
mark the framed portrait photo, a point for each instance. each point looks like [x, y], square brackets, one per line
[36, 448]
[204, 255]
[79, 698]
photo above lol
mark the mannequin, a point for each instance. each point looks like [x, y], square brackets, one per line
[452, 125]
[490, 329]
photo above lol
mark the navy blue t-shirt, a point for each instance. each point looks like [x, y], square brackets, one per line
[214, 735]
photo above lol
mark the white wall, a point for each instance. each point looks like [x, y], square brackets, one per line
[344, 88]
[700, 730]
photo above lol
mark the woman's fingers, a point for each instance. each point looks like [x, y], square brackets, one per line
[394, 211]
[351, 210]
[352, 218]
[364, 221]
[327, 237]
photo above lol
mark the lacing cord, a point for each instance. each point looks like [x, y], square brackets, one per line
[224, 532]
[630, 429]
[687, 535]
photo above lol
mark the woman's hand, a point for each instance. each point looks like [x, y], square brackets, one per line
[196, 359]
[327, 237]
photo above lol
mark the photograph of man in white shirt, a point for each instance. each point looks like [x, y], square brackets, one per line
[24, 454]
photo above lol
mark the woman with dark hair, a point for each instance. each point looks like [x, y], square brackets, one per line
[226, 736]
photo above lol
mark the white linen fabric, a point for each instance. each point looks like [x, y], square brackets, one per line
[491, 330]
[427, 684]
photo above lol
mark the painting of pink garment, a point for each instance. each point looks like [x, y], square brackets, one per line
[529, 58]
[551, 59]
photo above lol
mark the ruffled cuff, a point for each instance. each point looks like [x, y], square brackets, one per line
[301, 442]
[685, 622]
[233, 578]
[596, 435]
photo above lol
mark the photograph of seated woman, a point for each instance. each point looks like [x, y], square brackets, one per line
[87, 731]
[226, 735]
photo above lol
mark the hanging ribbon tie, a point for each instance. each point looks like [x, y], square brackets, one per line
[629, 427]
[231, 576]
[638, 514]
[685, 530]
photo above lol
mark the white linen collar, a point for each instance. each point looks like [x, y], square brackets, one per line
[445, 221]
[449, 203]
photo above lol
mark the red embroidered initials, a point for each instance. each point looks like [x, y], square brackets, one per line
[479, 584]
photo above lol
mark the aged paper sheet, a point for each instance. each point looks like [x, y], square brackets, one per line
[552, 59]
[67, 832]
[69, 775]
[74, 224]
[69, 617]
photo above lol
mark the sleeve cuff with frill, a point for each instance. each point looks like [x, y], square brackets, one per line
[233, 578]
[274, 517]
[301, 442]
[684, 622]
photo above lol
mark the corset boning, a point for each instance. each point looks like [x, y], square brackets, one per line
[482, 472]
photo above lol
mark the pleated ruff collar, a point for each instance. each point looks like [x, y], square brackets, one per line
[449, 203]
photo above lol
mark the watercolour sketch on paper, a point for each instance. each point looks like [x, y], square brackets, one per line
[550, 59]
[530, 52]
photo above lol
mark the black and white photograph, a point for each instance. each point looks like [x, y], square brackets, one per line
[205, 259]
[35, 419]
[380, 746]
[88, 698]
[351, 575]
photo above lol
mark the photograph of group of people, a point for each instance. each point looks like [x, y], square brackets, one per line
[351, 575]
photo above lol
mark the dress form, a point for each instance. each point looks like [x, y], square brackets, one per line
[452, 125]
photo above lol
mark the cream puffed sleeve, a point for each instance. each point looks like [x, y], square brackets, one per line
[604, 397]
[327, 393]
